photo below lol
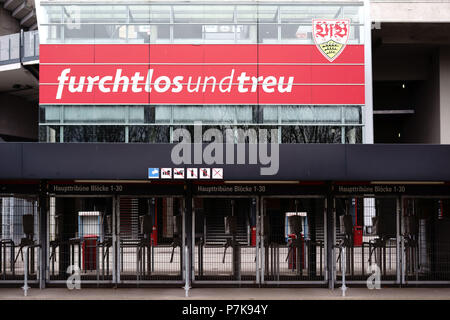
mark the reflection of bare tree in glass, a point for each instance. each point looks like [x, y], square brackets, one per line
[353, 135]
[94, 134]
[149, 134]
[109, 134]
[78, 134]
[311, 134]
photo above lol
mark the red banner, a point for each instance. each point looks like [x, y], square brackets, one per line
[199, 74]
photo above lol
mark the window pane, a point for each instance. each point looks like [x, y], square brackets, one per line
[187, 31]
[51, 14]
[352, 114]
[247, 13]
[94, 134]
[49, 134]
[95, 14]
[149, 134]
[52, 114]
[310, 114]
[88, 114]
[137, 114]
[84, 33]
[353, 135]
[139, 14]
[159, 14]
[267, 32]
[111, 33]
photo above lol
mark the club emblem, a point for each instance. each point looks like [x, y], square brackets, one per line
[331, 36]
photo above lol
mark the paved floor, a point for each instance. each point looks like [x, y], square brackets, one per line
[227, 294]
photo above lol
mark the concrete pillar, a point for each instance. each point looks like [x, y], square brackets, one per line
[43, 209]
[444, 94]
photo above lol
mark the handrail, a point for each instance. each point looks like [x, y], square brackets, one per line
[19, 47]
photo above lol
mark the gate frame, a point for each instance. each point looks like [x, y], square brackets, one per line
[40, 249]
[398, 236]
[403, 271]
[47, 271]
[325, 267]
[230, 197]
[116, 242]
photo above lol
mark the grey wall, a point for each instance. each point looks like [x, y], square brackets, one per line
[424, 125]
[304, 162]
[8, 24]
[416, 53]
[18, 118]
[444, 94]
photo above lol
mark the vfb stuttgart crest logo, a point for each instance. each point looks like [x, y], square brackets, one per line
[331, 36]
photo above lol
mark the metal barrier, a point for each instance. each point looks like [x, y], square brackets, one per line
[19, 47]
[150, 233]
[223, 251]
[293, 240]
[425, 240]
[236, 240]
[80, 239]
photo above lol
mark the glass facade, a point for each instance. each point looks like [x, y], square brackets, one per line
[211, 23]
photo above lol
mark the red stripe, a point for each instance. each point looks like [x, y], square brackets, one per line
[302, 74]
[342, 81]
[183, 53]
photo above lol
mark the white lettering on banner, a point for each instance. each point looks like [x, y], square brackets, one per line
[162, 84]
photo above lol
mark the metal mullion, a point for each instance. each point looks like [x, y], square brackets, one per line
[261, 239]
[235, 23]
[258, 239]
[172, 21]
[192, 255]
[117, 242]
[343, 131]
[127, 121]
[278, 24]
[183, 241]
[333, 267]
[325, 241]
[398, 240]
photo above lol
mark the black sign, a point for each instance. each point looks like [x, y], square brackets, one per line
[392, 189]
[24, 188]
[259, 189]
[117, 188]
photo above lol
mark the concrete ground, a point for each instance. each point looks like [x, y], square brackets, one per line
[227, 294]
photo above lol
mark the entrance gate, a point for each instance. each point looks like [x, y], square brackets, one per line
[293, 245]
[226, 234]
[81, 238]
[151, 238]
[368, 229]
[425, 239]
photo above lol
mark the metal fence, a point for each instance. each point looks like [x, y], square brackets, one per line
[366, 230]
[294, 240]
[426, 240]
[236, 240]
[19, 239]
[224, 250]
[80, 239]
[151, 239]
